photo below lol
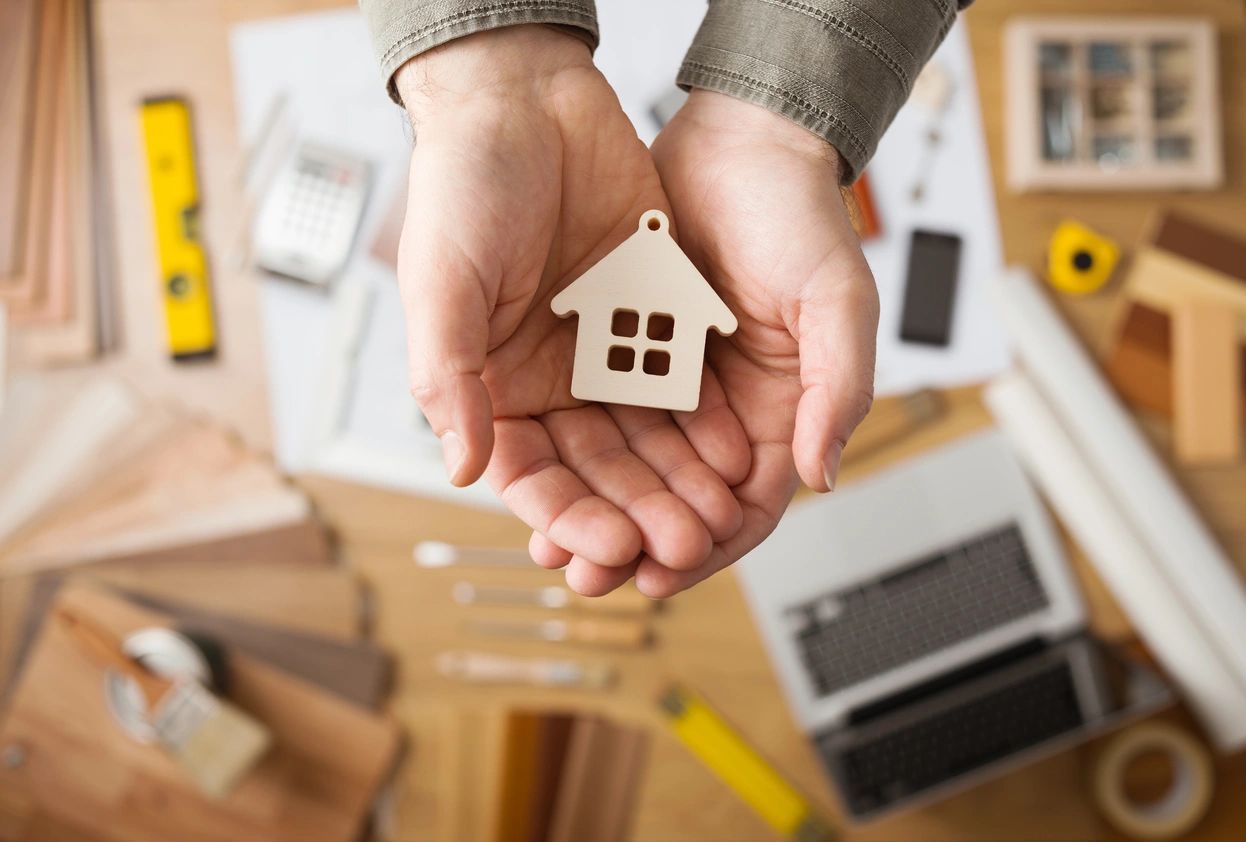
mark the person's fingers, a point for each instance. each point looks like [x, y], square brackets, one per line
[588, 579]
[546, 553]
[447, 320]
[837, 334]
[654, 437]
[542, 492]
[715, 433]
[590, 444]
[763, 496]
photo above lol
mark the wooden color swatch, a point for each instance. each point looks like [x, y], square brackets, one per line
[18, 35]
[599, 782]
[1164, 281]
[1206, 378]
[567, 778]
[65, 329]
[516, 807]
[1216, 249]
[20, 288]
[329, 760]
[355, 670]
[1139, 361]
[90, 472]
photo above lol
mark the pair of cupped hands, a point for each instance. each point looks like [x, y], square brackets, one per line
[525, 173]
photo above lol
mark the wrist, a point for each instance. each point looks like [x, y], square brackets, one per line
[748, 122]
[511, 61]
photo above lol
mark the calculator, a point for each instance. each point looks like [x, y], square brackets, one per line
[307, 223]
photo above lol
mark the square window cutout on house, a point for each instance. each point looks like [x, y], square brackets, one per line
[661, 327]
[621, 358]
[657, 363]
[625, 323]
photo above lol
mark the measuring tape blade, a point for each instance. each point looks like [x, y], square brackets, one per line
[738, 765]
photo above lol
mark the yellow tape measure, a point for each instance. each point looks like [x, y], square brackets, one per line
[187, 293]
[726, 754]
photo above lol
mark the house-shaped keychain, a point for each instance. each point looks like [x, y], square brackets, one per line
[644, 310]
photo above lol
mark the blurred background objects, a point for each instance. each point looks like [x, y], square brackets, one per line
[239, 600]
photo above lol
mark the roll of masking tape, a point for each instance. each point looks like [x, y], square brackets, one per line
[1188, 796]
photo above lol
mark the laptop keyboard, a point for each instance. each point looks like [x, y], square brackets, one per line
[882, 769]
[848, 636]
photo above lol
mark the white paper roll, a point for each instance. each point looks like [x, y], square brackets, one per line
[1122, 560]
[1197, 571]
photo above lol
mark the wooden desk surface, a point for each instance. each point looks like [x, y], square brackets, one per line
[705, 637]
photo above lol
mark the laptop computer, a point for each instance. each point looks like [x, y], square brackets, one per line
[927, 629]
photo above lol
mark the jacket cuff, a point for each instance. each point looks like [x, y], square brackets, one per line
[840, 69]
[402, 29]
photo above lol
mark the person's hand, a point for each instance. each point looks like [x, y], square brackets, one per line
[525, 172]
[758, 207]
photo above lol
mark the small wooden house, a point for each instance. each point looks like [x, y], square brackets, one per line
[643, 312]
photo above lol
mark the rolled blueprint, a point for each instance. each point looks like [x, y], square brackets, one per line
[1197, 571]
[1122, 560]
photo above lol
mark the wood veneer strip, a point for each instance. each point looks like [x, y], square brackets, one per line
[1208, 404]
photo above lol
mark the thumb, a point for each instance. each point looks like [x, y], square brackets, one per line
[447, 320]
[837, 334]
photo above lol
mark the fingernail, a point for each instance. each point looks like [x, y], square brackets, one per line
[452, 452]
[830, 464]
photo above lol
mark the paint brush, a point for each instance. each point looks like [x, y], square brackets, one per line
[215, 742]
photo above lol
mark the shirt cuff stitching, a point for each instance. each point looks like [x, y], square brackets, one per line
[826, 18]
[774, 90]
[480, 12]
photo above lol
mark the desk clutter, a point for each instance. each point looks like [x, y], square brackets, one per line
[182, 657]
[173, 632]
[80, 763]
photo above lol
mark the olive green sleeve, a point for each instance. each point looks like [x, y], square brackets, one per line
[840, 68]
[402, 29]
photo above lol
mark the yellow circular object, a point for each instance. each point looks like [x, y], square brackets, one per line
[1187, 799]
[1080, 261]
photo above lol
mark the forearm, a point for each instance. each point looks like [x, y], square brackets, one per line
[402, 29]
[840, 70]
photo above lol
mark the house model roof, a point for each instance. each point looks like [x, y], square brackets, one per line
[648, 270]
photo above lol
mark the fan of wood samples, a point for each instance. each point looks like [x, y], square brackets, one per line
[50, 186]
[92, 472]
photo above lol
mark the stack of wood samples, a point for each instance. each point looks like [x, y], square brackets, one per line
[49, 184]
[567, 778]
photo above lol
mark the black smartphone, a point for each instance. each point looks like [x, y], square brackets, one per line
[930, 288]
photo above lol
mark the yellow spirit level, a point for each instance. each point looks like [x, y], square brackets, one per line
[723, 750]
[187, 293]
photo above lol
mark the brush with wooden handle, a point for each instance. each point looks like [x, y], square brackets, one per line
[214, 741]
